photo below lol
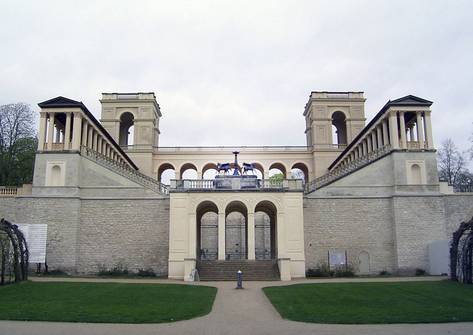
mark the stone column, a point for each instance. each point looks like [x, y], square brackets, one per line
[221, 236]
[192, 252]
[99, 144]
[51, 131]
[373, 140]
[67, 132]
[368, 143]
[94, 140]
[428, 130]
[42, 130]
[90, 137]
[58, 134]
[420, 130]
[385, 133]
[84, 133]
[251, 236]
[379, 137]
[393, 133]
[76, 133]
[199, 175]
[403, 130]
[411, 134]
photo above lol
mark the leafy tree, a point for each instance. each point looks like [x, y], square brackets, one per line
[277, 177]
[17, 144]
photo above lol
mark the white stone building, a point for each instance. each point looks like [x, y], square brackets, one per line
[368, 196]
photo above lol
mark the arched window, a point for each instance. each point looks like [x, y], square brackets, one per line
[300, 171]
[188, 171]
[209, 171]
[127, 129]
[339, 125]
[277, 169]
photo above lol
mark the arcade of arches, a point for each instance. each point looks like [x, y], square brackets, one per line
[230, 226]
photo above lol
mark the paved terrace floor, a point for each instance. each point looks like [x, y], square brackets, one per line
[239, 312]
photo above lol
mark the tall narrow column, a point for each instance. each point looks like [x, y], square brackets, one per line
[393, 133]
[420, 130]
[379, 137]
[373, 140]
[403, 130]
[42, 131]
[385, 133]
[251, 236]
[368, 143]
[192, 252]
[90, 137]
[221, 236]
[67, 132]
[51, 131]
[411, 133]
[428, 130]
[76, 133]
[94, 140]
[84, 133]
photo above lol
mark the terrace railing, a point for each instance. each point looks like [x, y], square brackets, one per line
[236, 184]
[346, 169]
[125, 171]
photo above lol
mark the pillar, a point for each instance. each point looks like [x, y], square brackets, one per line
[251, 236]
[385, 133]
[51, 131]
[42, 131]
[94, 141]
[84, 133]
[403, 130]
[76, 132]
[393, 133]
[428, 130]
[373, 140]
[90, 136]
[368, 143]
[379, 137]
[411, 133]
[420, 130]
[199, 175]
[192, 253]
[221, 236]
[99, 144]
[67, 132]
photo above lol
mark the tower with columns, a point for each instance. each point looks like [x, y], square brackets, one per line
[333, 119]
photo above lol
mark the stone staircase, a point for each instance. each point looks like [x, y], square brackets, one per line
[226, 270]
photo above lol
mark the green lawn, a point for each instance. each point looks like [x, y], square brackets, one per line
[104, 302]
[365, 303]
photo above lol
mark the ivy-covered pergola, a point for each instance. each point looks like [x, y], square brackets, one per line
[13, 253]
[461, 253]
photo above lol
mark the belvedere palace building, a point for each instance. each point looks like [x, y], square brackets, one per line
[360, 194]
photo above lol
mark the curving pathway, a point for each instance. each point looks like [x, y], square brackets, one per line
[239, 312]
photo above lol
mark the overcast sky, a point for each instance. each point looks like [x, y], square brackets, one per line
[240, 72]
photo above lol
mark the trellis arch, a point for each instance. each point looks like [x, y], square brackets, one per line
[461, 253]
[13, 252]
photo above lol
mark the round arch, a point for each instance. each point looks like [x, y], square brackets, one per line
[187, 166]
[339, 122]
[207, 230]
[207, 167]
[163, 167]
[236, 230]
[127, 121]
[265, 232]
[302, 167]
[280, 166]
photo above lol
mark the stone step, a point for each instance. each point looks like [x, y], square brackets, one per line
[227, 270]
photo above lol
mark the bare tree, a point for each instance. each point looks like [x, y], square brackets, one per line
[451, 163]
[17, 143]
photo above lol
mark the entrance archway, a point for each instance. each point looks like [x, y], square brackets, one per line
[207, 231]
[236, 231]
[265, 230]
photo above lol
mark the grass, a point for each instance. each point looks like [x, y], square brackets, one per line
[104, 302]
[370, 303]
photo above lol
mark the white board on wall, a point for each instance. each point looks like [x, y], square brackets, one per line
[35, 235]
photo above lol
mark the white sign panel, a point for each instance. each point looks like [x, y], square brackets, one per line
[35, 235]
[337, 259]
